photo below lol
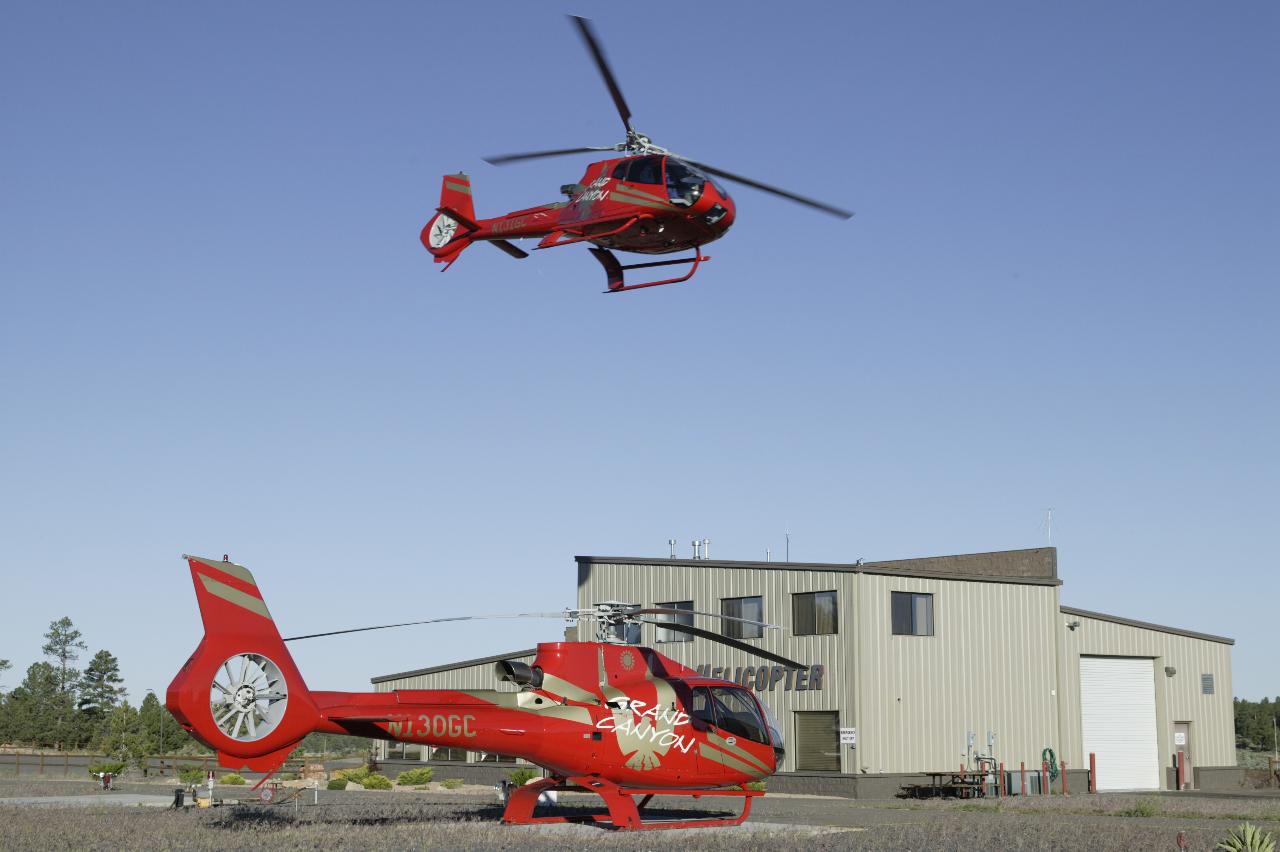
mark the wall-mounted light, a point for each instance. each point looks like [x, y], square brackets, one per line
[1170, 671]
[1072, 625]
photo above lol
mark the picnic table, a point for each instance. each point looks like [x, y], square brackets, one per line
[968, 784]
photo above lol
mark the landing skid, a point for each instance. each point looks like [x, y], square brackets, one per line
[623, 811]
[614, 270]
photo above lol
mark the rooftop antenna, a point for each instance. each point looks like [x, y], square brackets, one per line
[787, 533]
[1048, 522]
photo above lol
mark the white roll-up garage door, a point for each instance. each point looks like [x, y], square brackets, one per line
[1118, 721]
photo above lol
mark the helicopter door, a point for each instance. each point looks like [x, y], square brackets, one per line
[702, 717]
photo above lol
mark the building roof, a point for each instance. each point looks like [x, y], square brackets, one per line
[1036, 566]
[1145, 625]
[448, 667]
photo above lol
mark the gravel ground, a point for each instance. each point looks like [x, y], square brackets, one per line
[429, 820]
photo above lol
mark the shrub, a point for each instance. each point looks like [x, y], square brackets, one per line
[357, 774]
[376, 782]
[115, 767]
[235, 779]
[287, 776]
[1248, 838]
[754, 785]
[451, 783]
[411, 777]
[523, 776]
[1144, 808]
[190, 773]
[337, 784]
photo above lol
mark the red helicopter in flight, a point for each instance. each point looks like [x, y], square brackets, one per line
[649, 200]
[615, 719]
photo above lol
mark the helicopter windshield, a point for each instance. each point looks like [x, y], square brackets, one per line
[731, 710]
[684, 182]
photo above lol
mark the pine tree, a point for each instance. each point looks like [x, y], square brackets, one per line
[163, 733]
[64, 644]
[100, 688]
[123, 736]
[5, 665]
[37, 711]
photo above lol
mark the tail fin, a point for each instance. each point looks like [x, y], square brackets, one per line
[240, 692]
[449, 231]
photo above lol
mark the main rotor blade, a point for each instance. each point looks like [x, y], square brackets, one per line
[725, 640]
[559, 615]
[658, 610]
[503, 159]
[790, 196]
[597, 53]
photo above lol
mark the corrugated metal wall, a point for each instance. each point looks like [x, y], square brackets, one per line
[988, 668]
[1178, 698]
[1001, 660]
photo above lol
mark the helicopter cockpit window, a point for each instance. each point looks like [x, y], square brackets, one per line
[684, 183]
[620, 170]
[700, 706]
[738, 714]
[645, 170]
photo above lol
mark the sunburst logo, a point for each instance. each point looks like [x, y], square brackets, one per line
[628, 660]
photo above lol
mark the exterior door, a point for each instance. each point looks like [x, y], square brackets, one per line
[818, 741]
[1118, 721]
[1182, 747]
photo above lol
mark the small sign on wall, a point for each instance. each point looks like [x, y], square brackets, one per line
[849, 736]
[1180, 738]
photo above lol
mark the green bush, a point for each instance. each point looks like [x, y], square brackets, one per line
[337, 784]
[451, 783]
[754, 785]
[523, 776]
[1144, 808]
[376, 782]
[356, 774]
[115, 767]
[189, 773]
[411, 777]
[287, 776]
[1248, 838]
[235, 779]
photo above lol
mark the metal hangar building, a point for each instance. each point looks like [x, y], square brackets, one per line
[921, 665]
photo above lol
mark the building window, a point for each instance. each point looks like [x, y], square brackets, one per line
[446, 753]
[395, 750]
[818, 741]
[665, 635]
[1206, 684]
[752, 608]
[814, 614]
[494, 757]
[912, 614]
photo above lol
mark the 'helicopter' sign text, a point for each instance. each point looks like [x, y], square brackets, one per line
[767, 678]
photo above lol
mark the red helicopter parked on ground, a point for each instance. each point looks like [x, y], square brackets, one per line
[618, 720]
[649, 201]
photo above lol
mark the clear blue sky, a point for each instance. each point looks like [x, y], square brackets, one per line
[220, 334]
